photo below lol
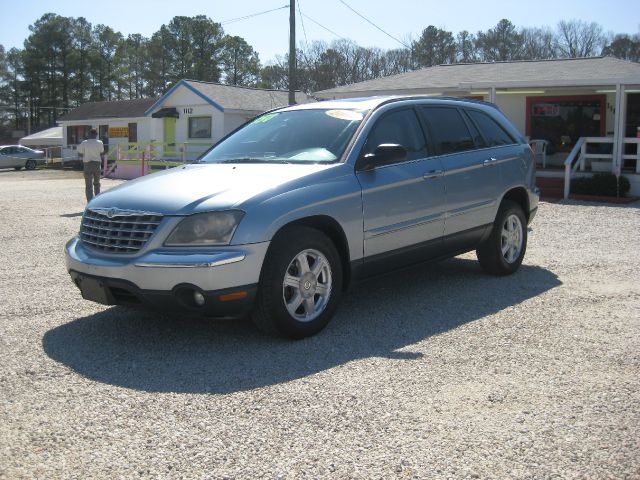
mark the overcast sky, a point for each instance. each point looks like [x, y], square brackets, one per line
[268, 33]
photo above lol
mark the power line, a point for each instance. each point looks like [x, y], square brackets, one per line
[322, 26]
[306, 42]
[232, 20]
[365, 18]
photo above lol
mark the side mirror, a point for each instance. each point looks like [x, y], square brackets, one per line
[384, 154]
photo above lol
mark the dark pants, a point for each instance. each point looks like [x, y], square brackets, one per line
[91, 175]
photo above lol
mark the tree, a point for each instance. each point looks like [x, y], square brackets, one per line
[466, 48]
[577, 39]
[241, 64]
[500, 44]
[624, 47]
[434, 47]
[538, 44]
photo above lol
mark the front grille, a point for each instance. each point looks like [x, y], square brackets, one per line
[117, 231]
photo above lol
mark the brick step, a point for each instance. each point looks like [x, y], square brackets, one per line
[552, 192]
[553, 182]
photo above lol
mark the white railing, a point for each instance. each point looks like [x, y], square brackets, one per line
[599, 162]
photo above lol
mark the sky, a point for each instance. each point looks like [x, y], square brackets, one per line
[268, 33]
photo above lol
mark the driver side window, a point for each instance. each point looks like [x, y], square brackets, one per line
[400, 127]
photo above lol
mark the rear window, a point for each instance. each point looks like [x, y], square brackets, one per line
[493, 133]
[448, 129]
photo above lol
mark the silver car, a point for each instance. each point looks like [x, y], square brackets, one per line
[277, 219]
[17, 156]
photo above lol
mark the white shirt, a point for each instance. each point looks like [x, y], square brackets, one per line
[91, 150]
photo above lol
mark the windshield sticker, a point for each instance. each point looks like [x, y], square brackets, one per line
[265, 118]
[345, 114]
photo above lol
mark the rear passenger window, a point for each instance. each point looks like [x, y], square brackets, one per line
[449, 131]
[492, 131]
[402, 128]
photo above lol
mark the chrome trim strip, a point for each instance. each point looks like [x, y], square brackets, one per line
[117, 212]
[402, 226]
[205, 264]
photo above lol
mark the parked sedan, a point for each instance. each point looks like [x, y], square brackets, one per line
[17, 156]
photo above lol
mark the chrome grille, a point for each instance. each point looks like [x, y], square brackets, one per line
[117, 231]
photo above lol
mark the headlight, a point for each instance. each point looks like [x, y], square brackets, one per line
[211, 228]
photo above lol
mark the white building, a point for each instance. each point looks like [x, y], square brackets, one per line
[178, 126]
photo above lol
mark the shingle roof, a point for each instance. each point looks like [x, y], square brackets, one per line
[117, 109]
[538, 73]
[232, 97]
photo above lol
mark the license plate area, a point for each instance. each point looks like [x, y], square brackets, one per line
[93, 289]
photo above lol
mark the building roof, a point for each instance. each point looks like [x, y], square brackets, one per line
[118, 109]
[50, 136]
[232, 97]
[596, 71]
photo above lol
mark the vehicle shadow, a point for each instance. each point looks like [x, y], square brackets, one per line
[162, 353]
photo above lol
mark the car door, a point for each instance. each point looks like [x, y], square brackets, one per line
[403, 203]
[470, 176]
[8, 158]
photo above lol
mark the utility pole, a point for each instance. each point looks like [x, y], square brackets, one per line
[292, 52]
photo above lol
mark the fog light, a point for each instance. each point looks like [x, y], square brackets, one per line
[198, 298]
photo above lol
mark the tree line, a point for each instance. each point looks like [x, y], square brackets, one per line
[68, 61]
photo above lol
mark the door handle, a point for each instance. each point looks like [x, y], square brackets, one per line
[432, 174]
[489, 162]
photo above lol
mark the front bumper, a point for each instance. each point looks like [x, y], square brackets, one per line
[226, 278]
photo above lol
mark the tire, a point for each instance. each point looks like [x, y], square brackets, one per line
[30, 165]
[502, 253]
[300, 284]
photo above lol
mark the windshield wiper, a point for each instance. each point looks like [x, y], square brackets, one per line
[254, 160]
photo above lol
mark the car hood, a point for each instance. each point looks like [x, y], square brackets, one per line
[197, 188]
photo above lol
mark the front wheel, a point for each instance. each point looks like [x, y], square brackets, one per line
[30, 165]
[503, 252]
[300, 284]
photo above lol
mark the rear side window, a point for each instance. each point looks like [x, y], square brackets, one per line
[402, 128]
[491, 130]
[448, 129]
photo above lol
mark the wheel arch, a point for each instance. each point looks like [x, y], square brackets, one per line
[332, 229]
[518, 195]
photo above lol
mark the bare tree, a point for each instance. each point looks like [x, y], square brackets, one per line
[577, 39]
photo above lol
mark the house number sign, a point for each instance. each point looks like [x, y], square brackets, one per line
[188, 111]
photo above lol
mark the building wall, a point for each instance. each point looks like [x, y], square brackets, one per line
[145, 126]
[189, 105]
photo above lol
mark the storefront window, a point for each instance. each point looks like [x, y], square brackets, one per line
[563, 120]
[199, 127]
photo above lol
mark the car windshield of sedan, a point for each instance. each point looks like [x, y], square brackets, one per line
[296, 136]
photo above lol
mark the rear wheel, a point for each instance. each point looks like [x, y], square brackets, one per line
[30, 165]
[300, 284]
[503, 252]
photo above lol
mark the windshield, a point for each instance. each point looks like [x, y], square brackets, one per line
[298, 136]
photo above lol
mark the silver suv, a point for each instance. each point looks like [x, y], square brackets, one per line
[278, 218]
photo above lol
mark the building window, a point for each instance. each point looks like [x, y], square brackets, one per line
[133, 132]
[561, 121]
[77, 133]
[199, 127]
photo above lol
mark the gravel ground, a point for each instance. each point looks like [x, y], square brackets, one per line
[435, 372]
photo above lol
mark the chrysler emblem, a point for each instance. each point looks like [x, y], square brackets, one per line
[112, 212]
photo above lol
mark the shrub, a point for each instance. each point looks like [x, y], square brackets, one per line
[601, 184]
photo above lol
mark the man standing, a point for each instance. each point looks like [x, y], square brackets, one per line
[91, 151]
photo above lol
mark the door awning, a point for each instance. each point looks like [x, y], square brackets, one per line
[166, 112]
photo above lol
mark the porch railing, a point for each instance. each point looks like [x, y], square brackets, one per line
[600, 162]
[152, 155]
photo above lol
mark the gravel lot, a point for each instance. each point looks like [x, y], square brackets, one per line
[435, 372]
